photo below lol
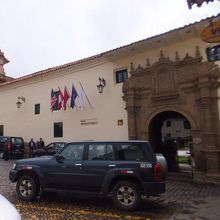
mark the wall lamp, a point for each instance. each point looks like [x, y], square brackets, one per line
[19, 103]
[101, 85]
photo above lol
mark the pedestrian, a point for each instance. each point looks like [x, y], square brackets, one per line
[31, 146]
[41, 143]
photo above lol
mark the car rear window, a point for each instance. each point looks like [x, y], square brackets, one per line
[130, 151]
[3, 139]
[16, 140]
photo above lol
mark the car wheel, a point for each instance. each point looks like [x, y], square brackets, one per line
[27, 188]
[126, 195]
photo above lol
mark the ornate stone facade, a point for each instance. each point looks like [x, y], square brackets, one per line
[3, 61]
[185, 86]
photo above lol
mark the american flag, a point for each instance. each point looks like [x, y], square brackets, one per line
[52, 100]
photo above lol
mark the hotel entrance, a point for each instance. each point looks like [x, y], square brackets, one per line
[170, 135]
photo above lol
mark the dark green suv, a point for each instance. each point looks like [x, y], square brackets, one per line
[125, 170]
[11, 147]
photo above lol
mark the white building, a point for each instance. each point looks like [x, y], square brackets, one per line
[164, 77]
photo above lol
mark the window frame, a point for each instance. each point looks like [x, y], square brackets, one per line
[140, 146]
[70, 145]
[106, 146]
[1, 130]
[120, 71]
[37, 109]
[56, 134]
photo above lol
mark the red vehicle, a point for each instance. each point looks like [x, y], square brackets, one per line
[11, 147]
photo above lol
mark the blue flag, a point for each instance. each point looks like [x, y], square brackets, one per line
[73, 97]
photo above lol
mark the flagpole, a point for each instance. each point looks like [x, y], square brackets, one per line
[85, 95]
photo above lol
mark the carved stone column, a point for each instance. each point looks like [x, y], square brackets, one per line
[132, 130]
[208, 126]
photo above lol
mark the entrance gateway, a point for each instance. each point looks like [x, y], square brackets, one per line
[186, 90]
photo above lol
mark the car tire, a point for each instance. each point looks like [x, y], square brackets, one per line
[27, 188]
[126, 195]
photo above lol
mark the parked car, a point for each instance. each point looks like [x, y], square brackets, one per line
[162, 160]
[183, 156]
[124, 170]
[7, 210]
[50, 149]
[11, 146]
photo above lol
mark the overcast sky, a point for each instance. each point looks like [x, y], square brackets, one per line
[39, 34]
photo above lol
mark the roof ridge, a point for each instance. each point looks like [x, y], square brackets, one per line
[51, 69]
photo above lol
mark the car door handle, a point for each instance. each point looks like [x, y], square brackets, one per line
[112, 165]
[78, 164]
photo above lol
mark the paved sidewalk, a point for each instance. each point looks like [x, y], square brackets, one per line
[205, 209]
[192, 201]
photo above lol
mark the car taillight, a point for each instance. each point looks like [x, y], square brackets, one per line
[157, 172]
[9, 146]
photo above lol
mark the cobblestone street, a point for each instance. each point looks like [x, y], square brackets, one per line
[182, 200]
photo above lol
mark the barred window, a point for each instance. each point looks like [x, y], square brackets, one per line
[121, 75]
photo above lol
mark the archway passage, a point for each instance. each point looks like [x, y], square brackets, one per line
[170, 134]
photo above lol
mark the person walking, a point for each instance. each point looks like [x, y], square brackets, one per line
[41, 143]
[31, 146]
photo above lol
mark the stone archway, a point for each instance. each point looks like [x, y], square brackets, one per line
[189, 87]
[169, 133]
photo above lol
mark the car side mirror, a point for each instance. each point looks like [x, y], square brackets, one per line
[59, 158]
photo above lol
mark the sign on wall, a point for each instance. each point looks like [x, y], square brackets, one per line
[211, 33]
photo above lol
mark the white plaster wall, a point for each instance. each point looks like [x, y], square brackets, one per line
[107, 108]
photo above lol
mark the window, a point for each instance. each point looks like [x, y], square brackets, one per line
[73, 152]
[213, 53]
[3, 140]
[17, 141]
[58, 129]
[130, 152]
[37, 109]
[121, 75]
[168, 123]
[1, 130]
[100, 152]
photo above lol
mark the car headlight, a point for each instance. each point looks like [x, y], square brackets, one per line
[14, 166]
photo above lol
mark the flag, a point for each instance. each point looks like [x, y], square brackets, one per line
[52, 100]
[82, 98]
[73, 97]
[61, 99]
[66, 96]
[85, 95]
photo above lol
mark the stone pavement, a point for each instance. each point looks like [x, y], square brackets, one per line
[182, 200]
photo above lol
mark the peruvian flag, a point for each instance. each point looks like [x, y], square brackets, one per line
[61, 99]
[66, 97]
